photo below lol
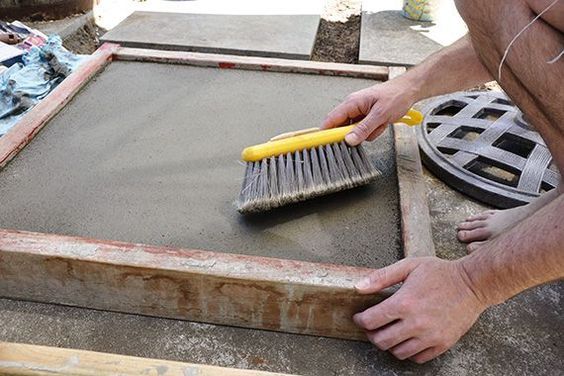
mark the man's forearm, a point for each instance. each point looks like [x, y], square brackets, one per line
[528, 255]
[456, 67]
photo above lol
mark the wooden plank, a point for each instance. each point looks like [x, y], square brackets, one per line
[414, 207]
[29, 360]
[29, 125]
[228, 289]
[252, 63]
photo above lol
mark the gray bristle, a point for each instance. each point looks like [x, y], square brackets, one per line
[301, 175]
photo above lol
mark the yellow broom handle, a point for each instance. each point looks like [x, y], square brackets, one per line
[311, 140]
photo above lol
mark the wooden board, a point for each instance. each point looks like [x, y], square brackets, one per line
[252, 63]
[30, 360]
[246, 291]
[219, 288]
[415, 219]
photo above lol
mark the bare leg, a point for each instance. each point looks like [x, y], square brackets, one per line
[526, 77]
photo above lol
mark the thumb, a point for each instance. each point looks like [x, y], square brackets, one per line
[385, 277]
[365, 127]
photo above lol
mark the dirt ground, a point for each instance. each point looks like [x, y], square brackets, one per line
[338, 36]
[85, 40]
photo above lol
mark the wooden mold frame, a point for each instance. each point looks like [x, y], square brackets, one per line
[219, 288]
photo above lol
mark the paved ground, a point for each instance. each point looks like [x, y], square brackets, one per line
[386, 37]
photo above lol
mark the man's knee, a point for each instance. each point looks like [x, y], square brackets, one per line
[551, 12]
[465, 7]
[476, 13]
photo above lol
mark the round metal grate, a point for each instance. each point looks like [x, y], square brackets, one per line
[480, 143]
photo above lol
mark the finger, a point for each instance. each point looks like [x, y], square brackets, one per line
[471, 225]
[391, 335]
[341, 114]
[385, 277]
[377, 316]
[478, 234]
[373, 120]
[427, 354]
[408, 348]
[374, 135]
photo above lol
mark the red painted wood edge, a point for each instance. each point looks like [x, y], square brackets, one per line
[172, 258]
[252, 63]
[220, 288]
[31, 123]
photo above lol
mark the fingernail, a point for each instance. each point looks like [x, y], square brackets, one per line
[363, 284]
[352, 139]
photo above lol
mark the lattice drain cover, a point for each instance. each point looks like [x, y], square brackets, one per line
[480, 144]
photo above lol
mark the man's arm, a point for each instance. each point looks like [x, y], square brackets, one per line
[440, 300]
[453, 68]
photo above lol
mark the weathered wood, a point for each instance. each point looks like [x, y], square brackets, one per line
[30, 360]
[414, 207]
[29, 125]
[229, 289]
[252, 63]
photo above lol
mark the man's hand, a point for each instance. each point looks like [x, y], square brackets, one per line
[453, 68]
[433, 308]
[377, 106]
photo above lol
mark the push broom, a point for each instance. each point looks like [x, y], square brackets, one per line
[300, 165]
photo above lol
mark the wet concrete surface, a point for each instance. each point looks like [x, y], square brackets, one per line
[148, 153]
[520, 337]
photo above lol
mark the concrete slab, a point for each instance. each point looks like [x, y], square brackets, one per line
[109, 13]
[388, 38]
[288, 36]
[149, 153]
[520, 337]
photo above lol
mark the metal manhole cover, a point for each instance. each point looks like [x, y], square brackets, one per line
[480, 144]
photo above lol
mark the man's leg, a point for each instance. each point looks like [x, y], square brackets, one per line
[531, 82]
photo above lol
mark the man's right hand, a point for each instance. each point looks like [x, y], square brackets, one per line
[377, 106]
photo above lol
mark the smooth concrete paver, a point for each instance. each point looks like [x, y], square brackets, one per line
[388, 38]
[288, 36]
[110, 13]
[148, 153]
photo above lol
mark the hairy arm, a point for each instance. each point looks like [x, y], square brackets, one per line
[440, 300]
[456, 67]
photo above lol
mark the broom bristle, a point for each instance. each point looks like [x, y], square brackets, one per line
[298, 176]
